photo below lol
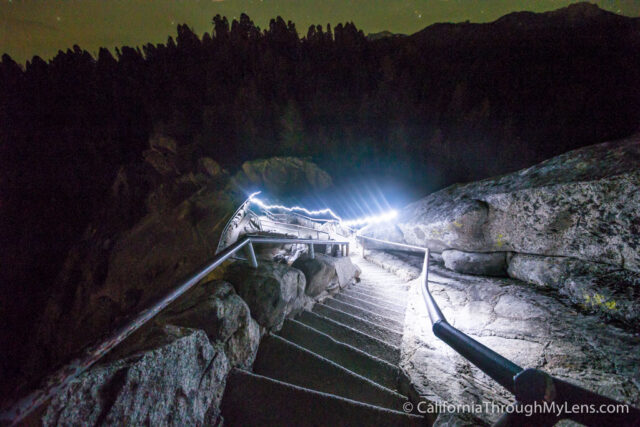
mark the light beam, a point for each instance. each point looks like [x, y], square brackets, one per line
[373, 219]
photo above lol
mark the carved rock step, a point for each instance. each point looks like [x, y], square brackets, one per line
[378, 292]
[378, 300]
[384, 279]
[254, 400]
[345, 334]
[380, 278]
[353, 359]
[384, 309]
[285, 361]
[376, 330]
[394, 323]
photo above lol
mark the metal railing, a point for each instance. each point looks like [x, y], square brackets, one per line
[299, 215]
[320, 221]
[294, 226]
[529, 386]
[57, 382]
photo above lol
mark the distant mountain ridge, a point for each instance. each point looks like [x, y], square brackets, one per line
[573, 16]
[383, 35]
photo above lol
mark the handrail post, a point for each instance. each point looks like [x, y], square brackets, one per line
[251, 254]
[312, 251]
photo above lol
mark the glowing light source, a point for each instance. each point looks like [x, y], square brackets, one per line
[373, 219]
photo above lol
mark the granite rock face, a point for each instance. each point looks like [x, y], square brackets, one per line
[326, 275]
[481, 264]
[531, 328]
[178, 383]
[157, 227]
[161, 221]
[582, 204]
[282, 177]
[172, 371]
[579, 210]
[215, 308]
[596, 287]
[272, 291]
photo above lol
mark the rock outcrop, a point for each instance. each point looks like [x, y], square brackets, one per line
[178, 383]
[215, 308]
[326, 275]
[170, 372]
[273, 291]
[282, 177]
[161, 221]
[581, 205]
[157, 228]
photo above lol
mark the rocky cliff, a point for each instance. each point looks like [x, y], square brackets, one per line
[161, 221]
[570, 223]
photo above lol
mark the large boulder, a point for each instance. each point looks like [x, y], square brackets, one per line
[186, 352]
[180, 382]
[326, 275]
[582, 204]
[273, 291]
[281, 177]
[482, 264]
[215, 308]
[210, 167]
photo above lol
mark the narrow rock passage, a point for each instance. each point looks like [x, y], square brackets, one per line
[336, 365]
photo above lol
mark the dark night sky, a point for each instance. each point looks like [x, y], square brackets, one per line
[42, 27]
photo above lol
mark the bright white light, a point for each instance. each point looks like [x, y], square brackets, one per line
[374, 219]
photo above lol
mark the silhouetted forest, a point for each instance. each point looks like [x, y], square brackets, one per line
[451, 103]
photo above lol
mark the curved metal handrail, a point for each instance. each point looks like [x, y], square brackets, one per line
[316, 220]
[527, 385]
[301, 227]
[308, 218]
[63, 377]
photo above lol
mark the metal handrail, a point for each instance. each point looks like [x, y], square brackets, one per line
[308, 218]
[63, 377]
[527, 385]
[302, 227]
[317, 220]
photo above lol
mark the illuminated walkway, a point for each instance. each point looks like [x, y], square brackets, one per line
[336, 365]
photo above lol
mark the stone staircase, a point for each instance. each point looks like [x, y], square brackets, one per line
[334, 366]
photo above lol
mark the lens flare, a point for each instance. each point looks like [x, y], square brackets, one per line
[374, 219]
